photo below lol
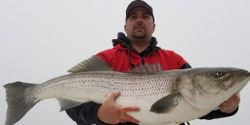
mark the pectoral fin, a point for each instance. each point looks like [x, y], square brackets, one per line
[166, 104]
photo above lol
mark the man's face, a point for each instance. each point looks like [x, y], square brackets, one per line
[139, 25]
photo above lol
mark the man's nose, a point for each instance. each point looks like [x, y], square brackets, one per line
[139, 20]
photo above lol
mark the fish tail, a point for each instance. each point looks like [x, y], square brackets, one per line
[19, 101]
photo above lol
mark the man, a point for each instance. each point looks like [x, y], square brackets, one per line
[138, 47]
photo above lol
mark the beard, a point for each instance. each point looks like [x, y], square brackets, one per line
[139, 34]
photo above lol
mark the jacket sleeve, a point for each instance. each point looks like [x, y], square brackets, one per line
[85, 114]
[217, 114]
[213, 114]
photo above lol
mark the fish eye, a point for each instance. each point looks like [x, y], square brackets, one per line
[219, 74]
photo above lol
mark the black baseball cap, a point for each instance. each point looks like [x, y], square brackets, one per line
[138, 3]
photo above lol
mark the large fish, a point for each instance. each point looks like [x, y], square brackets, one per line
[164, 97]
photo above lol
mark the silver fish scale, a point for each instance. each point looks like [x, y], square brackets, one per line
[129, 84]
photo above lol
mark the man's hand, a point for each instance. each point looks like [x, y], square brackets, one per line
[231, 104]
[112, 113]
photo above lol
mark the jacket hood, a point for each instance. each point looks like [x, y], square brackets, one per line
[125, 42]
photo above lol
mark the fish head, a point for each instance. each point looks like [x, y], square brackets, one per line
[214, 80]
[207, 88]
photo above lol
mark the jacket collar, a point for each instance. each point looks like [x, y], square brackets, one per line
[124, 42]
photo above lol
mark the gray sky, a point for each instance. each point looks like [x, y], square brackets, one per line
[42, 39]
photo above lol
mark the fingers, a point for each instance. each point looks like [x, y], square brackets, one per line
[237, 94]
[131, 109]
[225, 109]
[112, 113]
[114, 95]
[125, 117]
[109, 110]
[231, 104]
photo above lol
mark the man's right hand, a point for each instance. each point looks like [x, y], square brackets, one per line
[111, 113]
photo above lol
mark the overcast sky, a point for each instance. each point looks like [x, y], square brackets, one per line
[42, 39]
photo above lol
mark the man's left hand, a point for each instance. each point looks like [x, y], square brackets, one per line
[231, 104]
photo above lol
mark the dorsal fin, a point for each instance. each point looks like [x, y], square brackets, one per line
[94, 63]
[147, 68]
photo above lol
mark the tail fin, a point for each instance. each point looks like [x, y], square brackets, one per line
[19, 102]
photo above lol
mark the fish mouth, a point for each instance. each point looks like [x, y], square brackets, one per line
[245, 73]
[248, 74]
[242, 76]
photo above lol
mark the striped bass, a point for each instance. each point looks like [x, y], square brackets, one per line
[164, 97]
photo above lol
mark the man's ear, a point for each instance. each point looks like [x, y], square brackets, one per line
[125, 27]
